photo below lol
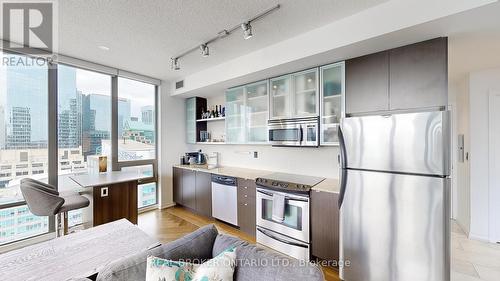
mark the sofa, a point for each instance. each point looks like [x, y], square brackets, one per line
[252, 262]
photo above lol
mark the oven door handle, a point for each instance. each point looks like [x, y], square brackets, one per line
[270, 194]
[280, 239]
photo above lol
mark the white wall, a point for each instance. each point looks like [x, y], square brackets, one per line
[304, 161]
[480, 84]
[172, 141]
[460, 91]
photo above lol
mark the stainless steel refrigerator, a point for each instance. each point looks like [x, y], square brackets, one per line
[394, 198]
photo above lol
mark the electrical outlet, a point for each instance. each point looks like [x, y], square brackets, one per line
[255, 154]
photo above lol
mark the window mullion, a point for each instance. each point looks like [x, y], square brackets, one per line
[114, 124]
[52, 132]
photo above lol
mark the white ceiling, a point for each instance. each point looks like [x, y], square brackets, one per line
[144, 35]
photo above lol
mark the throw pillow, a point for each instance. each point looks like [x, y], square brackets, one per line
[220, 268]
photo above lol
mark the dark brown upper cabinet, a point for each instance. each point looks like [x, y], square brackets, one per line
[367, 83]
[419, 75]
[408, 77]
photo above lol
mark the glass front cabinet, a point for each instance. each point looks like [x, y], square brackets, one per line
[247, 113]
[191, 120]
[294, 95]
[332, 100]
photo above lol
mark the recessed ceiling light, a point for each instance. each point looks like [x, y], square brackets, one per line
[104, 48]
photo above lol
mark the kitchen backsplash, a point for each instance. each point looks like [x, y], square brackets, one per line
[307, 161]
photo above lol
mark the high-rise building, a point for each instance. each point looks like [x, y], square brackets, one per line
[148, 114]
[69, 109]
[70, 125]
[19, 129]
[26, 87]
[123, 114]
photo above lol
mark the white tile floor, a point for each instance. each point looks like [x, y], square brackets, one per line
[473, 260]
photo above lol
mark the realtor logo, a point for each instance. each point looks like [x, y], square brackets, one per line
[28, 27]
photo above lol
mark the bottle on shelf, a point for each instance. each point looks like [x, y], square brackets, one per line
[223, 112]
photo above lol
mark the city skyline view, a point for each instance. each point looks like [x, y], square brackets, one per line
[84, 129]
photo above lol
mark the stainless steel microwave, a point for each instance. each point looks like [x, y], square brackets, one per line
[294, 132]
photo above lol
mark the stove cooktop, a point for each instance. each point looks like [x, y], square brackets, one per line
[288, 182]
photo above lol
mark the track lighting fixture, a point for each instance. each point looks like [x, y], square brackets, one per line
[247, 30]
[247, 33]
[205, 52]
[175, 65]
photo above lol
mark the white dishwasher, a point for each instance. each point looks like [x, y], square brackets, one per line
[225, 199]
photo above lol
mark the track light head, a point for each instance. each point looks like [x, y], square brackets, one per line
[175, 65]
[247, 30]
[205, 52]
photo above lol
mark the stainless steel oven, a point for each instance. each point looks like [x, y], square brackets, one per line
[294, 132]
[291, 236]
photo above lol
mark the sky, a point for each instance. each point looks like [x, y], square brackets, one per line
[140, 94]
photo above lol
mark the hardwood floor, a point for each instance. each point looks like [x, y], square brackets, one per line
[172, 223]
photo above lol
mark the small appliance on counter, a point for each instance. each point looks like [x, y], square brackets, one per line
[194, 158]
[213, 160]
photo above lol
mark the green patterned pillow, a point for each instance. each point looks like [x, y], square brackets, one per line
[220, 268]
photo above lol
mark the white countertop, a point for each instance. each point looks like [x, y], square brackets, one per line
[327, 185]
[108, 178]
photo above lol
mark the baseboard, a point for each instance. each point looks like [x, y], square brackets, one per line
[167, 206]
[479, 237]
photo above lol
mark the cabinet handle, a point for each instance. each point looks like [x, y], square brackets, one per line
[246, 196]
[246, 204]
[246, 187]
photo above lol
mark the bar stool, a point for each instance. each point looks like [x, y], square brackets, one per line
[44, 200]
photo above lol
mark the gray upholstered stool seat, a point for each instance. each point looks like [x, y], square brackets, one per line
[72, 201]
[44, 200]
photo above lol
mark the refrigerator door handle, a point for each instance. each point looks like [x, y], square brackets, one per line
[343, 167]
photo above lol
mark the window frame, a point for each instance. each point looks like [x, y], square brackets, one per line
[52, 131]
[117, 165]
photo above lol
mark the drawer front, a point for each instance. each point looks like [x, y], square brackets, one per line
[246, 190]
[246, 216]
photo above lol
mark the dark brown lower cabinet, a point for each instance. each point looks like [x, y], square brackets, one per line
[193, 189]
[204, 193]
[324, 225]
[246, 206]
[189, 188]
[114, 202]
[177, 185]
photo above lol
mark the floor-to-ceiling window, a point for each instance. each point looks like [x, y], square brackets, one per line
[84, 123]
[23, 142]
[84, 109]
[137, 134]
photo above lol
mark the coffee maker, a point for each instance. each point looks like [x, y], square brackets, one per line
[195, 158]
